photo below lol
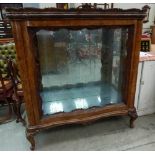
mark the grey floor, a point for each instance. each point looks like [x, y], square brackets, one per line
[108, 134]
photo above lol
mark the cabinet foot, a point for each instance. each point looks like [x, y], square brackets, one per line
[133, 116]
[30, 138]
[21, 120]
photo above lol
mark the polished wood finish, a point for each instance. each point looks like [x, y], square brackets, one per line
[26, 21]
[6, 41]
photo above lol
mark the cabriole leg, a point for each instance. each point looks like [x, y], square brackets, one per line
[30, 138]
[133, 116]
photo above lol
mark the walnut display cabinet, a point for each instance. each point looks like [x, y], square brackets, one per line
[76, 65]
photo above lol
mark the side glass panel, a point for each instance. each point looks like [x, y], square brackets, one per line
[81, 69]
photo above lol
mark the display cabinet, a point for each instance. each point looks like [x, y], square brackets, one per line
[77, 65]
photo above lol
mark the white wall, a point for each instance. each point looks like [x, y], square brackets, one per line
[34, 5]
[47, 5]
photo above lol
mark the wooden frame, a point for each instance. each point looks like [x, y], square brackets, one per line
[24, 21]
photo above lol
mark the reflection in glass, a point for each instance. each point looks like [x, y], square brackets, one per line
[81, 69]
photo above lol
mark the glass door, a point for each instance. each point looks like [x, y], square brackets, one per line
[81, 69]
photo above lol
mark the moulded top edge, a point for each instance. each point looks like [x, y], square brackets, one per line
[20, 13]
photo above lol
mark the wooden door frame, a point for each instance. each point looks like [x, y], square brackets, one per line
[29, 69]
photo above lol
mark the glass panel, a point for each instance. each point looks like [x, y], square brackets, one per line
[81, 69]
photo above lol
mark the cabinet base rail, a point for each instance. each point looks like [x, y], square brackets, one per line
[32, 131]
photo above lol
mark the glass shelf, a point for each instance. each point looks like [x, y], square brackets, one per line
[87, 96]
